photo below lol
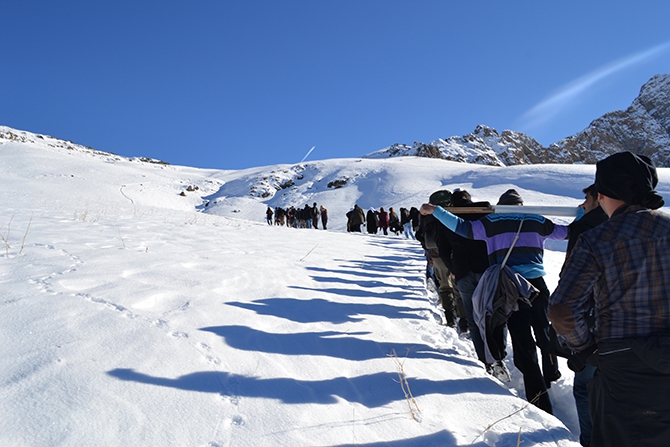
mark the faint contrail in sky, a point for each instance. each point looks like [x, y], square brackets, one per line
[307, 154]
[551, 106]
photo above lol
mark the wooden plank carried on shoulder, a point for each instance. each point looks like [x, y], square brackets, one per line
[470, 210]
[545, 210]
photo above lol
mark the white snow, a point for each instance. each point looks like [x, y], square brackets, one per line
[133, 316]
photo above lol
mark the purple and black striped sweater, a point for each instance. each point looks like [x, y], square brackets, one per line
[498, 231]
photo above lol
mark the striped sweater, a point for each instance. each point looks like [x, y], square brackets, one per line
[499, 230]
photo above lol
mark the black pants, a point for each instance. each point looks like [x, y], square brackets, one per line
[629, 392]
[540, 324]
[525, 357]
[529, 329]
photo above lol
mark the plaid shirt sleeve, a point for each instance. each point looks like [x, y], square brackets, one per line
[572, 296]
[625, 262]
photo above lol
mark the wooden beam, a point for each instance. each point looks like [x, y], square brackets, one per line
[545, 210]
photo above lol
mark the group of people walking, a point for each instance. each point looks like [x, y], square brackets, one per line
[382, 220]
[307, 217]
[609, 315]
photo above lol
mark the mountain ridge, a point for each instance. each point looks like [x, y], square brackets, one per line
[643, 128]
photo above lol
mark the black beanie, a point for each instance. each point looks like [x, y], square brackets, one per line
[441, 197]
[461, 198]
[510, 197]
[630, 178]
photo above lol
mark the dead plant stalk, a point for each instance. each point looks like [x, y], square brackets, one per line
[23, 241]
[404, 385]
[6, 239]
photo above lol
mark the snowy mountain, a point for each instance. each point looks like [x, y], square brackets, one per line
[245, 194]
[643, 128]
[484, 146]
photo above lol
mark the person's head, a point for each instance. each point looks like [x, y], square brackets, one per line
[510, 197]
[461, 197]
[627, 179]
[590, 198]
[441, 198]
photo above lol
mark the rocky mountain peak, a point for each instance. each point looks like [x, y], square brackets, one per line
[643, 128]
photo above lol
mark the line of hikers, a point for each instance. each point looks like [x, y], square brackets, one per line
[609, 315]
[307, 217]
[376, 220]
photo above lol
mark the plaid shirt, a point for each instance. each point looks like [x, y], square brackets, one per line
[625, 263]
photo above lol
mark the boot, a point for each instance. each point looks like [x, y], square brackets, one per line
[451, 318]
[463, 326]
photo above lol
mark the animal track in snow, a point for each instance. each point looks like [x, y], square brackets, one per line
[237, 421]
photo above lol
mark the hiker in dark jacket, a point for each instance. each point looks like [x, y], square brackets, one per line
[372, 220]
[280, 216]
[432, 235]
[414, 216]
[307, 216]
[467, 260]
[357, 219]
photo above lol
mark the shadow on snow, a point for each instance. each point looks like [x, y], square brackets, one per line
[320, 310]
[444, 438]
[330, 344]
[372, 390]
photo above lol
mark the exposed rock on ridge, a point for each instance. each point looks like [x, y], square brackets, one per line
[46, 141]
[643, 128]
[484, 146]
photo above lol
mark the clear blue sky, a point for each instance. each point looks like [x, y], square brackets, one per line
[235, 84]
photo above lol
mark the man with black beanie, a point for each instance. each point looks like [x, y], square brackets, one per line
[467, 259]
[432, 237]
[624, 265]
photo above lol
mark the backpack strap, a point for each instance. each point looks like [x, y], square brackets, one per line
[509, 252]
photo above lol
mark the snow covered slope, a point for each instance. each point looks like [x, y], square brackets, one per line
[148, 304]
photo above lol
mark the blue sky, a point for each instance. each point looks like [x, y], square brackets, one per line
[237, 84]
